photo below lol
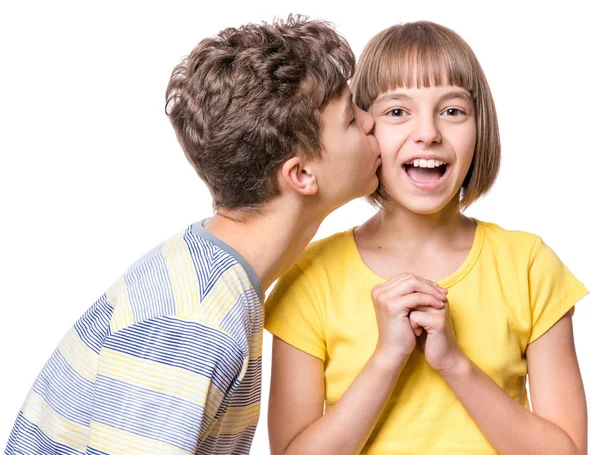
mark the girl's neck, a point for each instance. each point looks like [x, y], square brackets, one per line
[433, 246]
[396, 226]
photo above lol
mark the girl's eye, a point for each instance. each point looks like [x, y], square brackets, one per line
[453, 112]
[352, 121]
[397, 112]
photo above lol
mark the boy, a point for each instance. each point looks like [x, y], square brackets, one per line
[168, 360]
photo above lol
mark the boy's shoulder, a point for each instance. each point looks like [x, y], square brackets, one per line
[182, 254]
[168, 256]
[171, 278]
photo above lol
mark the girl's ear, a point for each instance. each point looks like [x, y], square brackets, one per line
[298, 176]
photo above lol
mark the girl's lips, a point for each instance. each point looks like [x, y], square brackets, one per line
[428, 186]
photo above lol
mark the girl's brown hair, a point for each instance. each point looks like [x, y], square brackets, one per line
[425, 54]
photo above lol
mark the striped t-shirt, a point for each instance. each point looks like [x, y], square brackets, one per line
[167, 361]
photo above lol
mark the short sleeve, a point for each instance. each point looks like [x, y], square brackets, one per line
[161, 385]
[553, 289]
[293, 313]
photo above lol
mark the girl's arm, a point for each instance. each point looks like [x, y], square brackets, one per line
[296, 421]
[558, 425]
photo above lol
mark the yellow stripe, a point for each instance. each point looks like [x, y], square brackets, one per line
[78, 355]
[122, 316]
[244, 368]
[231, 281]
[161, 378]
[56, 427]
[182, 275]
[242, 276]
[255, 346]
[217, 303]
[216, 296]
[113, 440]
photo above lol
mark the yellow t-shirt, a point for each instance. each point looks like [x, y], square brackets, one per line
[509, 291]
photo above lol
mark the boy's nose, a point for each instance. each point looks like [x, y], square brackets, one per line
[367, 122]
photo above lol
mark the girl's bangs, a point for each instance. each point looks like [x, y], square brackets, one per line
[408, 60]
[420, 67]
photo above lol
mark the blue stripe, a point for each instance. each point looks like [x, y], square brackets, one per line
[66, 391]
[93, 326]
[235, 444]
[157, 336]
[149, 289]
[210, 262]
[184, 344]
[92, 451]
[256, 310]
[27, 439]
[148, 413]
[236, 323]
[248, 392]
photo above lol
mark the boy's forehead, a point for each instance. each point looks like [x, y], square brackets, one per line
[348, 99]
[341, 103]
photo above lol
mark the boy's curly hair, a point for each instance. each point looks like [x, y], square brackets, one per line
[250, 98]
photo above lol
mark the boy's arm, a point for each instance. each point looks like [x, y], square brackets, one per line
[160, 386]
[558, 425]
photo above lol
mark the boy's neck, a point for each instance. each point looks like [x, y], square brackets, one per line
[271, 242]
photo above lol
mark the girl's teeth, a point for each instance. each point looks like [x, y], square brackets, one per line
[427, 163]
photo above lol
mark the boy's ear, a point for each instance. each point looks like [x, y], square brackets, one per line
[299, 177]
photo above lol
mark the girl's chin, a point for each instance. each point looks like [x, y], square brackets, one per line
[428, 205]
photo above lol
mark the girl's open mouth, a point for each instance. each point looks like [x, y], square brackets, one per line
[425, 173]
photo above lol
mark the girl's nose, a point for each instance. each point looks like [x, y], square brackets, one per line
[426, 131]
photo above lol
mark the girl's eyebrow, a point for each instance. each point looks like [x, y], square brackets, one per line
[457, 94]
[463, 94]
[393, 97]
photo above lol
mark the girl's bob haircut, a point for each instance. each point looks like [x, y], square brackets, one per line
[425, 54]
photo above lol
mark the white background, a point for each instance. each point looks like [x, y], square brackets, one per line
[91, 175]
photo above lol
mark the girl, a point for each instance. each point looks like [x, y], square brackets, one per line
[418, 329]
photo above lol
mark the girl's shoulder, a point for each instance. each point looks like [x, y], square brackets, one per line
[496, 236]
[328, 250]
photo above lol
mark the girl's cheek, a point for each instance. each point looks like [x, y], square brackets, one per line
[381, 133]
[388, 143]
